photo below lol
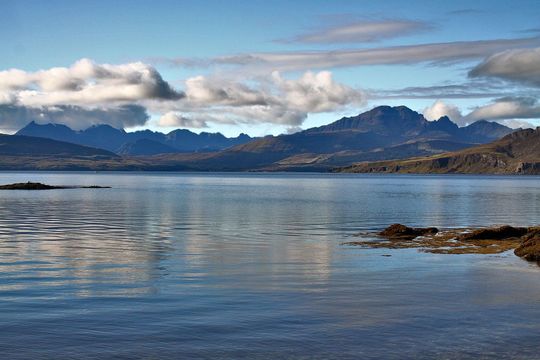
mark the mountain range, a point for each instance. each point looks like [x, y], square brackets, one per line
[143, 142]
[382, 133]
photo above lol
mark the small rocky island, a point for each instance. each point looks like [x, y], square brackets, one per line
[525, 241]
[39, 186]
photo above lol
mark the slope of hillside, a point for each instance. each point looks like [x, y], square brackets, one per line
[516, 153]
[33, 153]
[145, 147]
[15, 145]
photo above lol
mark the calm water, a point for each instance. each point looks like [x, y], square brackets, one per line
[169, 266]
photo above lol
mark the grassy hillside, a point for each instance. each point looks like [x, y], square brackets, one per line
[516, 153]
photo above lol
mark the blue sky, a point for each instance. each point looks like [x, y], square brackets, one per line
[231, 66]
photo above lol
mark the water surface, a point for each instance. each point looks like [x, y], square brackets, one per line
[168, 266]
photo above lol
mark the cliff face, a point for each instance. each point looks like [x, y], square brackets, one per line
[516, 153]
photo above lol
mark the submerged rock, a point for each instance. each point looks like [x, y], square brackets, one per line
[39, 186]
[496, 233]
[400, 231]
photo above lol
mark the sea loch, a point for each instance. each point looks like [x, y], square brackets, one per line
[169, 266]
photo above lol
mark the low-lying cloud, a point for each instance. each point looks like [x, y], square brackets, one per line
[14, 117]
[510, 111]
[439, 109]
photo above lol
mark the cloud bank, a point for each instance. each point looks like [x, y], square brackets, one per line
[88, 93]
[82, 95]
[14, 117]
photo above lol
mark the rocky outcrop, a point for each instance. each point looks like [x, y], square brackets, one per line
[530, 246]
[496, 233]
[399, 231]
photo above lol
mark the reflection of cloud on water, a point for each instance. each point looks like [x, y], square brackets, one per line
[95, 247]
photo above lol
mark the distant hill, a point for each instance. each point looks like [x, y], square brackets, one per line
[16, 145]
[117, 140]
[32, 153]
[382, 133]
[516, 153]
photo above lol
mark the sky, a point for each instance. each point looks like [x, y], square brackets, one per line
[265, 67]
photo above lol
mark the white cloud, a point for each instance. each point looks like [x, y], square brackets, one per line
[439, 109]
[316, 92]
[271, 99]
[85, 83]
[202, 90]
[519, 65]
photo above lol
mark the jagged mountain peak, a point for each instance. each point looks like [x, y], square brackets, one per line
[107, 137]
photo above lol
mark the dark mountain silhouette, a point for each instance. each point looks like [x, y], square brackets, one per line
[516, 153]
[112, 139]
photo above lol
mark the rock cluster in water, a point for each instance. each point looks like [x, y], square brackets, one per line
[529, 249]
[400, 231]
[524, 240]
